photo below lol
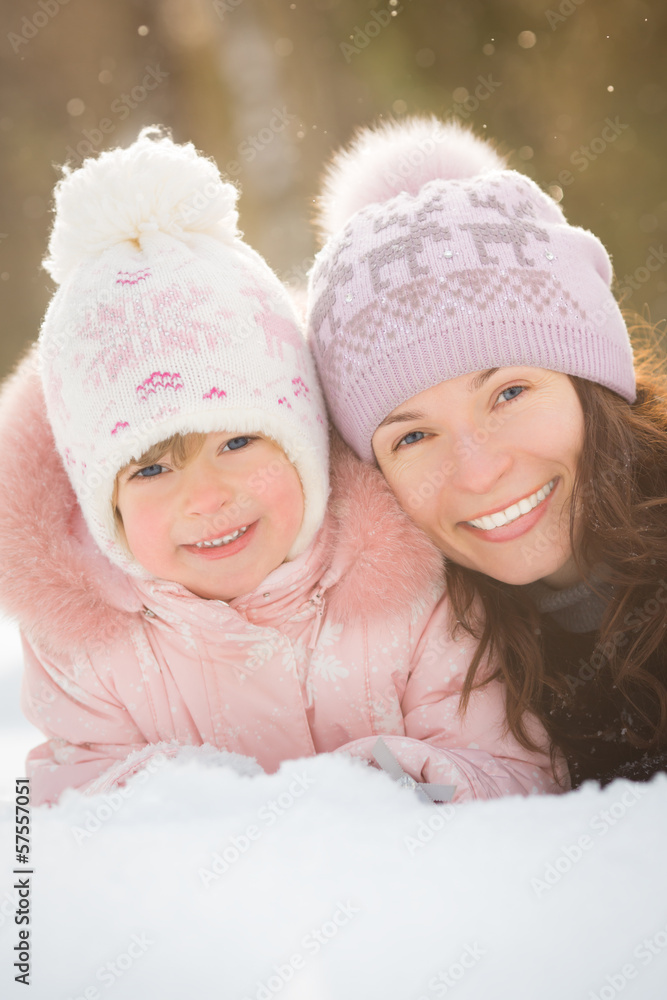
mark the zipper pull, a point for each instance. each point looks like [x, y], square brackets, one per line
[318, 600]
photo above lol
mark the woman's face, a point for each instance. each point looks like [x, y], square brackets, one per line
[485, 464]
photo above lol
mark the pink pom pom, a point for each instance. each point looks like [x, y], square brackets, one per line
[399, 156]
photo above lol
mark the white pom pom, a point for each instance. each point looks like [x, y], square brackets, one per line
[152, 186]
[395, 157]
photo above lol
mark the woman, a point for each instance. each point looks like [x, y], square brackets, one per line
[469, 343]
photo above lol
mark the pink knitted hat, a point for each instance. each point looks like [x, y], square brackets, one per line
[166, 322]
[440, 262]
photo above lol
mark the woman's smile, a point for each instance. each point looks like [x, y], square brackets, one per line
[514, 520]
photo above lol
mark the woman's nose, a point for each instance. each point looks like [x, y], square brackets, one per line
[479, 462]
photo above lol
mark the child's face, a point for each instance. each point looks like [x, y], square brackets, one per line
[235, 483]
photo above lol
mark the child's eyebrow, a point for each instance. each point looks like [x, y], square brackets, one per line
[145, 464]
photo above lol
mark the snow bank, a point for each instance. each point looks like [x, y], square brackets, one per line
[326, 881]
[17, 735]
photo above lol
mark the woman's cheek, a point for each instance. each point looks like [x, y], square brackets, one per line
[418, 498]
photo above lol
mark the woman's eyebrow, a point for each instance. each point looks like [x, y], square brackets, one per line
[480, 378]
[403, 417]
[397, 418]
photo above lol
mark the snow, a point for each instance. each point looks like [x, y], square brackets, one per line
[17, 736]
[327, 881]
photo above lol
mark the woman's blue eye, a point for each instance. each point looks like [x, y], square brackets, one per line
[512, 392]
[149, 472]
[412, 437]
[236, 443]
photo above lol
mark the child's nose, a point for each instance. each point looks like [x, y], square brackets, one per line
[206, 490]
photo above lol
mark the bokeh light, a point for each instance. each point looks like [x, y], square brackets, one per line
[547, 82]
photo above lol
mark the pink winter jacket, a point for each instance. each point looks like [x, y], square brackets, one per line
[346, 643]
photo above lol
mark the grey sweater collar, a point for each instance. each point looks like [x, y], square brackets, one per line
[575, 609]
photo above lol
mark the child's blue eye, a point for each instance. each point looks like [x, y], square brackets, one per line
[412, 437]
[149, 472]
[512, 392]
[236, 443]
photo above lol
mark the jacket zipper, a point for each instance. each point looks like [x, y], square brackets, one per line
[318, 601]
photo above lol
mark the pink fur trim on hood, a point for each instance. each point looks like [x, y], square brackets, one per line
[66, 594]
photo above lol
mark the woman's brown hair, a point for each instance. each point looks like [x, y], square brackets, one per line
[620, 507]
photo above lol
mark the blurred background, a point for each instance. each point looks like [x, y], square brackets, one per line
[575, 90]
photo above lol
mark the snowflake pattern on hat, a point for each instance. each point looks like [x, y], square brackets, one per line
[450, 277]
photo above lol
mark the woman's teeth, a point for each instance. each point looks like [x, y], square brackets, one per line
[225, 540]
[501, 517]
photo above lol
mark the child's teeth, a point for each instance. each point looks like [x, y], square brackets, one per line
[502, 517]
[225, 540]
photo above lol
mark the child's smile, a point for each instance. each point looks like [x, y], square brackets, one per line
[224, 545]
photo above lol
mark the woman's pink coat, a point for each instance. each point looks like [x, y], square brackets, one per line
[346, 643]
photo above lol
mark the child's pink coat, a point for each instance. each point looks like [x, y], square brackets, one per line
[346, 643]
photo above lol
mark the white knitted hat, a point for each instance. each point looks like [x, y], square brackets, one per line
[166, 322]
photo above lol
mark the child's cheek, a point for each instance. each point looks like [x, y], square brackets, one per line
[147, 534]
[281, 495]
[293, 501]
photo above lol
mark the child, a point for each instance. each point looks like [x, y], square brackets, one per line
[166, 541]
